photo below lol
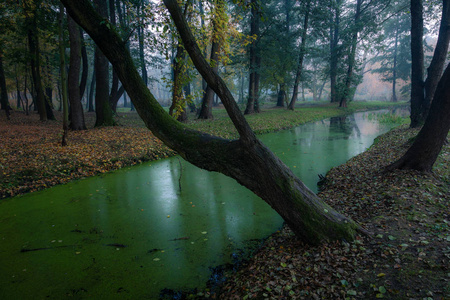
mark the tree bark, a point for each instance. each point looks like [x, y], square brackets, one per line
[90, 100]
[298, 74]
[281, 95]
[103, 111]
[247, 160]
[208, 96]
[417, 61]
[141, 51]
[4, 102]
[436, 67]
[113, 98]
[255, 62]
[424, 151]
[76, 108]
[62, 69]
[334, 39]
[35, 65]
[394, 67]
[347, 93]
[178, 106]
[85, 64]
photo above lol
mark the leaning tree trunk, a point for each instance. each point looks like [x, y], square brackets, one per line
[426, 147]
[247, 160]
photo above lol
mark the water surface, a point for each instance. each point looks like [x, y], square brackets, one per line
[160, 225]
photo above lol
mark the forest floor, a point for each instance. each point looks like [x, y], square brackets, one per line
[407, 256]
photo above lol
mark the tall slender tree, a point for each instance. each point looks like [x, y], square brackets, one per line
[73, 86]
[255, 60]
[351, 57]
[30, 8]
[103, 111]
[219, 23]
[335, 20]
[62, 61]
[301, 55]
[4, 102]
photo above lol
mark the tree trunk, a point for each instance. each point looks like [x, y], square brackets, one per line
[347, 93]
[62, 68]
[207, 103]
[281, 95]
[4, 102]
[76, 108]
[334, 39]
[394, 67]
[113, 98]
[35, 65]
[90, 101]
[27, 108]
[247, 160]
[85, 64]
[298, 74]
[19, 96]
[426, 147]
[141, 51]
[255, 62]
[49, 103]
[178, 107]
[417, 60]
[103, 111]
[208, 96]
[436, 67]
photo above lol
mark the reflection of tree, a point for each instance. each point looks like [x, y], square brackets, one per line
[343, 127]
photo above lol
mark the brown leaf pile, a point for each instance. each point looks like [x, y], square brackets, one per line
[32, 158]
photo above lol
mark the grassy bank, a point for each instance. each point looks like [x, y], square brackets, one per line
[32, 159]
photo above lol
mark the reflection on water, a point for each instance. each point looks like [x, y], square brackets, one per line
[161, 225]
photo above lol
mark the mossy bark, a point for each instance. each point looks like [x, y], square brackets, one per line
[247, 160]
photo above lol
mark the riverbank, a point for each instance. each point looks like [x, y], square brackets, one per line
[32, 158]
[407, 256]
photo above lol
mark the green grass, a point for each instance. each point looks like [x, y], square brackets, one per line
[389, 118]
[273, 119]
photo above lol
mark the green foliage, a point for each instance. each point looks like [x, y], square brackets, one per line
[390, 118]
[394, 53]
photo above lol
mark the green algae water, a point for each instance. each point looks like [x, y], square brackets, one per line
[162, 226]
